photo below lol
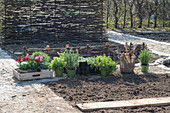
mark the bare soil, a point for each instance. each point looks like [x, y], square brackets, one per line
[12, 49]
[114, 88]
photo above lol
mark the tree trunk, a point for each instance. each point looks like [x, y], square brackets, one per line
[149, 20]
[116, 22]
[156, 14]
[163, 23]
[124, 24]
[155, 17]
[131, 13]
[131, 20]
[140, 22]
[115, 14]
[108, 11]
[140, 11]
[164, 13]
[134, 21]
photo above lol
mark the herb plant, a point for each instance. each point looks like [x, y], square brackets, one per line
[71, 59]
[144, 57]
[103, 63]
[57, 63]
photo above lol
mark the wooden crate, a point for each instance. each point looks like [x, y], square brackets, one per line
[32, 75]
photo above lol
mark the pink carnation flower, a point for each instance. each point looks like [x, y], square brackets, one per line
[37, 57]
[41, 58]
[27, 55]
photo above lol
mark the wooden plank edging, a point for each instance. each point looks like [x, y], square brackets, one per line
[125, 103]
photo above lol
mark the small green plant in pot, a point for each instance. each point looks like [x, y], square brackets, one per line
[93, 62]
[57, 65]
[72, 61]
[144, 58]
[104, 64]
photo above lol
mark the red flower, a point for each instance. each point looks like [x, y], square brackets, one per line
[18, 60]
[38, 60]
[30, 59]
[24, 59]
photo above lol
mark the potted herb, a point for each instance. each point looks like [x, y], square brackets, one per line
[104, 64]
[144, 58]
[72, 61]
[93, 62]
[57, 65]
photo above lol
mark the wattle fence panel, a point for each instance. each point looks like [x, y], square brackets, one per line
[54, 20]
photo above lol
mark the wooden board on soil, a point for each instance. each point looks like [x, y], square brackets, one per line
[127, 103]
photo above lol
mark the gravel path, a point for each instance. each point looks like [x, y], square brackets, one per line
[161, 48]
[27, 97]
[4, 55]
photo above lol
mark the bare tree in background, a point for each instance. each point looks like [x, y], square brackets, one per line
[131, 4]
[164, 8]
[125, 12]
[139, 8]
[149, 7]
[108, 13]
[116, 9]
[156, 6]
[134, 12]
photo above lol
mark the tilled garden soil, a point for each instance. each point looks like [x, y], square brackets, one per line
[114, 88]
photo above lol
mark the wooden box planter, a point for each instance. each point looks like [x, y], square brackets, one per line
[127, 67]
[32, 75]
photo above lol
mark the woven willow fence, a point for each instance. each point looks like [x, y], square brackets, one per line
[54, 20]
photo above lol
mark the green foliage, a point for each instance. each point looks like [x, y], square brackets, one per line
[34, 65]
[46, 58]
[71, 59]
[84, 59]
[103, 63]
[144, 57]
[22, 66]
[57, 63]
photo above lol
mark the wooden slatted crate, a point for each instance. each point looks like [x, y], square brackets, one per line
[32, 75]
